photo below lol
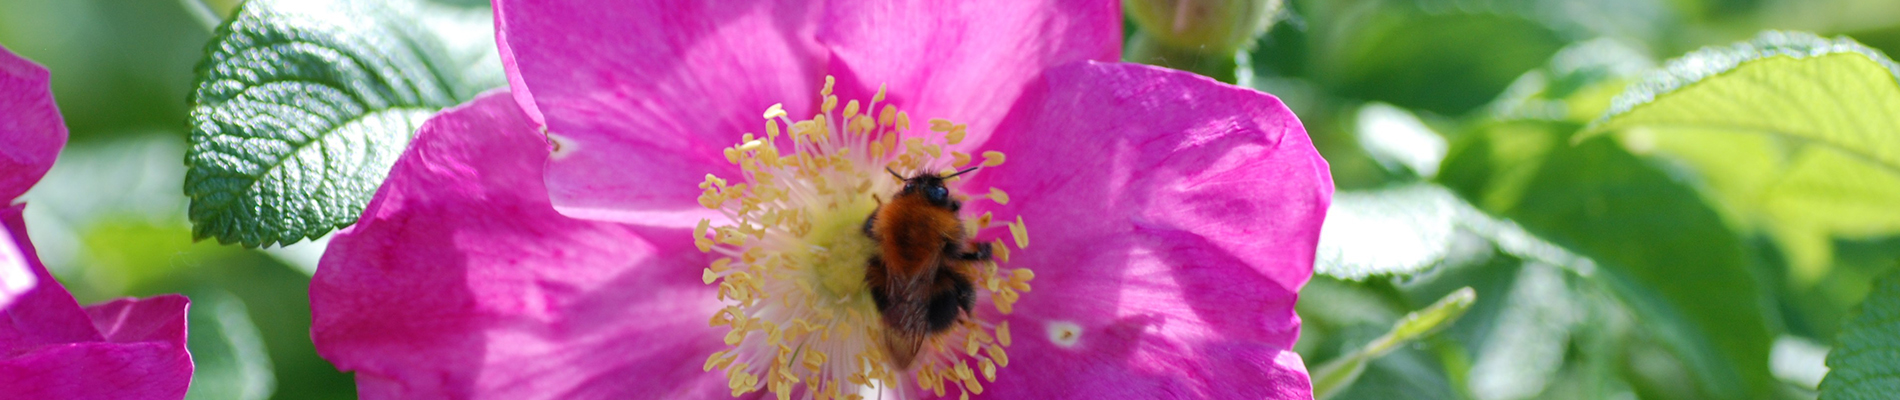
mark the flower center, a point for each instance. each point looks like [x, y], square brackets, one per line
[794, 255]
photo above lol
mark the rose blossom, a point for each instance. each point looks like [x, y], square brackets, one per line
[614, 232]
[50, 347]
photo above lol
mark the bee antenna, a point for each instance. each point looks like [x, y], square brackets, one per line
[964, 171]
[893, 173]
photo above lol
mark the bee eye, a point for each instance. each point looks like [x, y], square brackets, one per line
[936, 194]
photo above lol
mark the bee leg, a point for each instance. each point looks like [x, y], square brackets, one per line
[870, 222]
[979, 252]
[874, 275]
[966, 293]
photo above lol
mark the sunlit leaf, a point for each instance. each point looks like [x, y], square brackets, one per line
[1410, 229]
[1795, 135]
[1866, 362]
[302, 106]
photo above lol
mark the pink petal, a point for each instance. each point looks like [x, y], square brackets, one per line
[159, 318]
[46, 315]
[462, 281]
[641, 95]
[966, 61]
[31, 131]
[1173, 221]
[99, 370]
[50, 348]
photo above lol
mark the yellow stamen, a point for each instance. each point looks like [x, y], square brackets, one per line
[775, 111]
[1020, 231]
[999, 196]
[992, 158]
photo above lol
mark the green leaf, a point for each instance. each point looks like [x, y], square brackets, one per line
[302, 106]
[1410, 229]
[1445, 63]
[1337, 375]
[1866, 362]
[1794, 135]
[1664, 252]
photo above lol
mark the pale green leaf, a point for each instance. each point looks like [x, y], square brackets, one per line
[1795, 135]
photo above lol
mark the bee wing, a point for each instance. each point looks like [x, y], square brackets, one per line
[902, 346]
[915, 284]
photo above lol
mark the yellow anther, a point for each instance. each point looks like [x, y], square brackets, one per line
[827, 90]
[1002, 333]
[709, 276]
[988, 368]
[734, 336]
[1021, 275]
[775, 111]
[1020, 231]
[992, 158]
[850, 110]
[699, 235]
[888, 116]
[815, 360]
[1009, 295]
[941, 125]
[879, 97]
[716, 361]
[749, 146]
[958, 159]
[998, 196]
[831, 103]
[903, 121]
[1000, 250]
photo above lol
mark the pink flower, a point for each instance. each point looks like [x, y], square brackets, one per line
[50, 347]
[575, 238]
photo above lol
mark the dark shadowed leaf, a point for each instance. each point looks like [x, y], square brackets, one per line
[1866, 362]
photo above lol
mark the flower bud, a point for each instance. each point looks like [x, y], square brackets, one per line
[1205, 26]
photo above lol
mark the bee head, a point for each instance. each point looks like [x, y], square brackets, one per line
[930, 186]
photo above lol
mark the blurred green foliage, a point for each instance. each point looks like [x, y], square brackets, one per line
[1712, 264]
